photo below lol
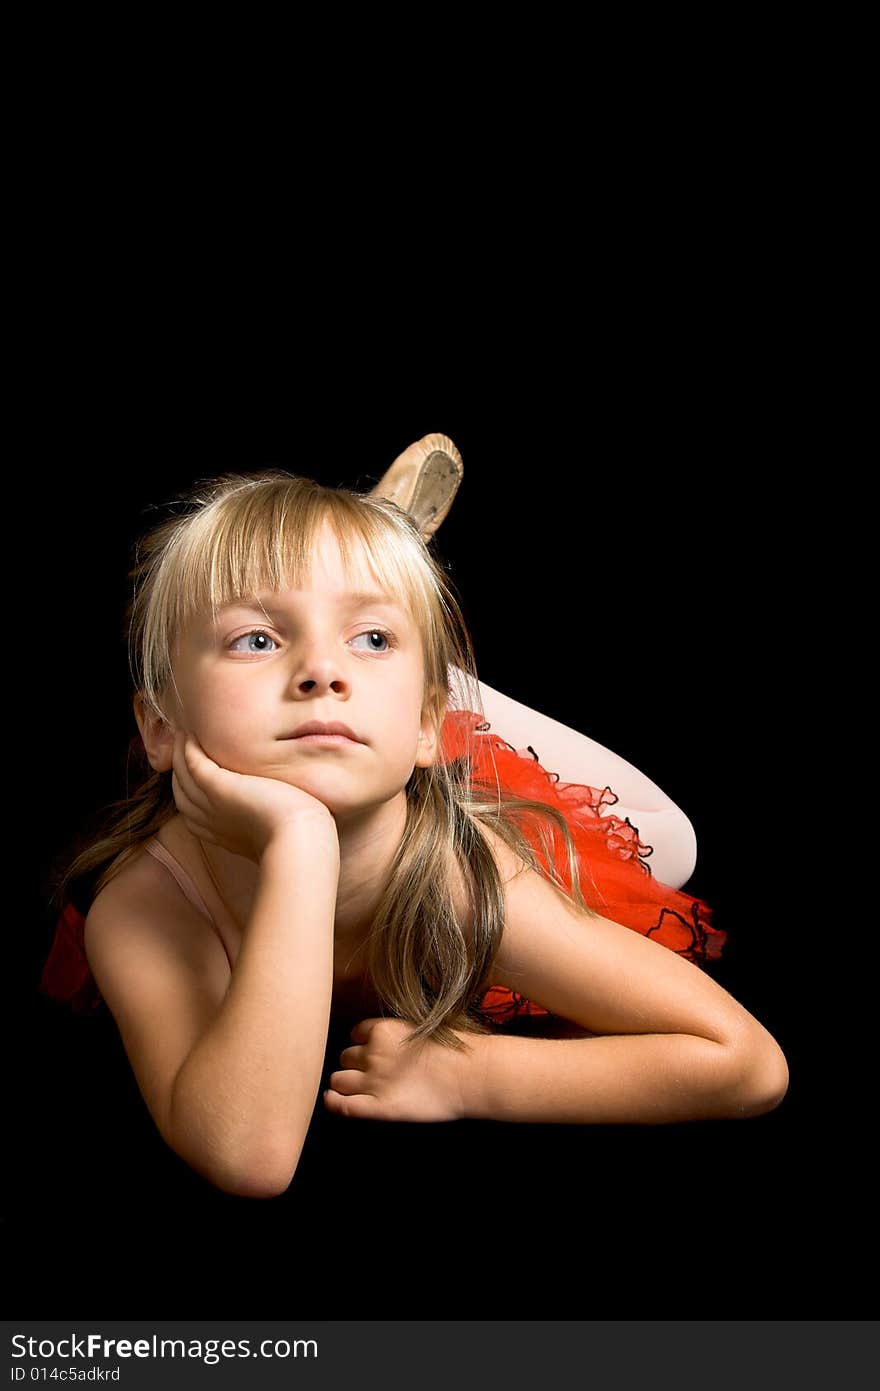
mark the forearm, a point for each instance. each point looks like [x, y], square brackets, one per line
[645, 1079]
[244, 1097]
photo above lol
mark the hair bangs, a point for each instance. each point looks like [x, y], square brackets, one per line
[251, 540]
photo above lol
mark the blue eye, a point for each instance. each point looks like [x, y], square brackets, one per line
[254, 633]
[372, 632]
[390, 639]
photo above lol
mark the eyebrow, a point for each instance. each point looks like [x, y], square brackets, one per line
[351, 599]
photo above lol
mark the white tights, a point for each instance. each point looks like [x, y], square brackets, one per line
[577, 758]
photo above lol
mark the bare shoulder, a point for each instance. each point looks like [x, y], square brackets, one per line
[528, 896]
[161, 970]
[143, 900]
[601, 974]
[508, 862]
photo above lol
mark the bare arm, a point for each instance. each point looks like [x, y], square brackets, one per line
[646, 1079]
[668, 1043]
[577, 758]
[243, 1099]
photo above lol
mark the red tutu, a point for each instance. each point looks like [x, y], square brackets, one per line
[614, 878]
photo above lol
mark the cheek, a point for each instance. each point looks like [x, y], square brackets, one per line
[397, 722]
[229, 734]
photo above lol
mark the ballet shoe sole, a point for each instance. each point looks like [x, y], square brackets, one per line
[423, 481]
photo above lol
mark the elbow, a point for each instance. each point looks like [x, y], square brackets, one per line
[268, 1174]
[253, 1162]
[256, 1186]
[254, 1180]
[257, 1176]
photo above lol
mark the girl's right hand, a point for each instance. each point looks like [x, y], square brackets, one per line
[241, 812]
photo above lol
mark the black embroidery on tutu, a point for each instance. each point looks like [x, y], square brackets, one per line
[644, 850]
[697, 950]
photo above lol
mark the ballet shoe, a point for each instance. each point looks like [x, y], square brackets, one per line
[423, 481]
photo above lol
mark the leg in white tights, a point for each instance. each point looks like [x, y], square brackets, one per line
[577, 758]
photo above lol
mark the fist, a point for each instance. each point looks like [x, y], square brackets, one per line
[384, 1078]
[241, 812]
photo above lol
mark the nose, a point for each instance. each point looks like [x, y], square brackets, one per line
[315, 683]
[319, 671]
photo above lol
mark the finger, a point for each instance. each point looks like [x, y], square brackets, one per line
[194, 820]
[194, 812]
[357, 1108]
[361, 1031]
[355, 1056]
[350, 1083]
[196, 757]
[184, 750]
[185, 772]
[207, 776]
[181, 783]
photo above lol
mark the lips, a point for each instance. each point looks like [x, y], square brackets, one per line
[318, 727]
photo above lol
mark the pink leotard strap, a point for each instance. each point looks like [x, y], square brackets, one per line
[157, 849]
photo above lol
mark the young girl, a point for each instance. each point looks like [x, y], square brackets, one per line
[405, 869]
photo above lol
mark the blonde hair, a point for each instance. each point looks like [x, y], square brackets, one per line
[244, 533]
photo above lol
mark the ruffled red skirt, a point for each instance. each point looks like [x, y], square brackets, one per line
[614, 878]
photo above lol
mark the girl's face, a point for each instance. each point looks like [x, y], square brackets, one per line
[246, 684]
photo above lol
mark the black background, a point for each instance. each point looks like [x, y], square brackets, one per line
[631, 551]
